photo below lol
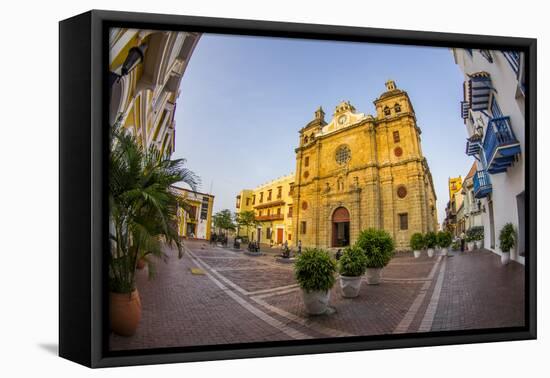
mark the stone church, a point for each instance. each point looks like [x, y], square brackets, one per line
[359, 171]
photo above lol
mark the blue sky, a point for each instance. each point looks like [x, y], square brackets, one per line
[243, 100]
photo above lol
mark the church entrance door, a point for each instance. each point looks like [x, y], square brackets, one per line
[340, 227]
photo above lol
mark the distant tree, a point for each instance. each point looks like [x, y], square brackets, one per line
[245, 219]
[223, 220]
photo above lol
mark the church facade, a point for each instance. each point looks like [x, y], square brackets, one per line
[359, 171]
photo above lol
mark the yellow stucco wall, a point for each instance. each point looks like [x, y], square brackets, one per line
[273, 214]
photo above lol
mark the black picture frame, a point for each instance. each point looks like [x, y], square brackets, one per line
[82, 197]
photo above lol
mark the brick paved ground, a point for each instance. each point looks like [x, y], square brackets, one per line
[245, 298]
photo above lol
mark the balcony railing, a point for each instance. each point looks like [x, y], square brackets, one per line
[473, 145]
[482, 184]
[270, 217]
[464, 109]
[500, 145]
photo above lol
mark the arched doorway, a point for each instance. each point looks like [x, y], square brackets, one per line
[340, 227]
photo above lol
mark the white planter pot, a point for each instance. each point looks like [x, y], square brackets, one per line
[373, 275]
[444, 251]
[505, 258]
[431, 252]
[417, 254]
[316, 302]
[470, 246]
[350, 286]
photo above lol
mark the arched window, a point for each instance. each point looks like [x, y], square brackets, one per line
[305, 139]
[387, 111]
[397, 108]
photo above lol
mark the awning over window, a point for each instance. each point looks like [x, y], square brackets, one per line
[479, 90]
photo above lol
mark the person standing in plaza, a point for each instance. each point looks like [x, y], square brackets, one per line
[299, 246]
[462, 241]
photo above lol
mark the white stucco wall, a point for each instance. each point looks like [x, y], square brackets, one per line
[507, 185]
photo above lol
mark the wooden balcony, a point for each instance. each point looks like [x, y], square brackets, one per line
[270, 217]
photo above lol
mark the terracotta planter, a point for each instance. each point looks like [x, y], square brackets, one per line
[316, 302]
[125, 312]
[373, 275]
[350, 286]
[417, 254]
[140, 264]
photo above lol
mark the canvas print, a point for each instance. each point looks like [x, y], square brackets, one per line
[269, 189]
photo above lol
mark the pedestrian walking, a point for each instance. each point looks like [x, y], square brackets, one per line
[299, 246]
[462, 241]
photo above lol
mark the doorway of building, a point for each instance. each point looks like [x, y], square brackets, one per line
[521, 223]
[259, 235]
[279, 236]
[340, 227]
[492, 224]
[190, 230]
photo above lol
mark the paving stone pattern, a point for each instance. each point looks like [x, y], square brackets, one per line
[242, 299]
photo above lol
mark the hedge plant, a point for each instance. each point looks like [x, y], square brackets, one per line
[378, 246]
[431, 239]
[417, 241]
[507, 237]
[314, 270]
[444, 239]
[353, 262]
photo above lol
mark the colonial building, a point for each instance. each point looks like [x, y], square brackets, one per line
[195, 220]
[472, 215]
[358, 171]
[272, 206]
[146, 67]
[451, 222]
[493, 110]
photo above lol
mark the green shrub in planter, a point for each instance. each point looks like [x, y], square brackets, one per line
[353, 262]
[417, 241]
[475, 234]
[431, 239]
[455, 245]
[507, 237]
[444, 239]
[378, 246]
[314, 270]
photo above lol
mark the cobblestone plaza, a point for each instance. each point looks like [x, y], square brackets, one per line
[216, 295]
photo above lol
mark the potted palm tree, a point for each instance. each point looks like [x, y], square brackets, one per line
[417, 243]
[378, 246]
[431, 242]
[314, 270]
[143, 216]
[507, 239]
[351, 265]
[444, 240]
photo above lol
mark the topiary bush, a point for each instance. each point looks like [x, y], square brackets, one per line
[314, 270]
[378, 246]
[444, 239]
[507, 237]
[417, 241]
[353, 262]
[430, 239]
